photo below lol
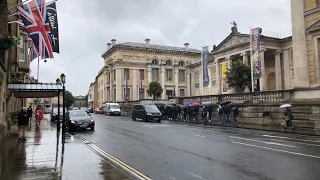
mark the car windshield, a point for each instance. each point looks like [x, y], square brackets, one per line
[151, 108]
[114, 107]
[78, 113]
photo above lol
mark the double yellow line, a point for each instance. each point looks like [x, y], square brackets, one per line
[135, 173]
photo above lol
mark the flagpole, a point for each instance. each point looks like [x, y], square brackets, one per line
[252, 59]
[27, 1]
[38, 68]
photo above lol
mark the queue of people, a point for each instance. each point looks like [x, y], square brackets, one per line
[196, 112]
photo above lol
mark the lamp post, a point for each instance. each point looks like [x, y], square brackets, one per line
[58, 122]
[63, 81]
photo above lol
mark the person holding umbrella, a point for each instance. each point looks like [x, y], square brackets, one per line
[288, 116]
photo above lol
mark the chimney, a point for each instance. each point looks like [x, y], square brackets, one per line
[113, 42]
[147, 42]
[109, 45]
[186, 46]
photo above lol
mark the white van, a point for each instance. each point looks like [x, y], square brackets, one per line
[112, 109]
[47, 108]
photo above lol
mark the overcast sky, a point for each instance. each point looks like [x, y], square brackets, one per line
[86, 27]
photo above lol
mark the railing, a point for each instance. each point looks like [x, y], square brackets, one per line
[248, 98]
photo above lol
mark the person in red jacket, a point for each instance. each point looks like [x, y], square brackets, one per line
[39, 115]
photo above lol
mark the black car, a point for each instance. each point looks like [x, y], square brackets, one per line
[80, 119]
[54, 114]
[146, 112]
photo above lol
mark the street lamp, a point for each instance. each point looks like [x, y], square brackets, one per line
[63, 80]
[58, 122]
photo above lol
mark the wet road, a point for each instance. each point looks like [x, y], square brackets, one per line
[168, 150]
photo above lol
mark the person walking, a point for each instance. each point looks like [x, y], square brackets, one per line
[221, 114]
[23, 122]
[39, 115]
[204, 114]
[30, 111]
[235, 112]
[288, 117]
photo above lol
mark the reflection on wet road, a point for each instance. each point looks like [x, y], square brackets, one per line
[175, 151]
[45, 156]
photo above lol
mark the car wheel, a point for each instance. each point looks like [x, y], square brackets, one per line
[92, 128]
[145, 119]
[133, 118]
[159, 121]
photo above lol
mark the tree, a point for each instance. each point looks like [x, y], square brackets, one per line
[69, 99]
[155, 90]
[239, 76]
[86, 98]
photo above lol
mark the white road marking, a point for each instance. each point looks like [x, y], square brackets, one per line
[171, 130]
[265, 142]
[197, 135]
[195, 175]
[282, 137]
[279, 150]
[281, 140]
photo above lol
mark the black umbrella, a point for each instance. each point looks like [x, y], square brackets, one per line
[225, 102]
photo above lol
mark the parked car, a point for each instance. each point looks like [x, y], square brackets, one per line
[146, 112]
[98, 111]
[112, 109]
[54, 114]
[90, 110]
[80, 119]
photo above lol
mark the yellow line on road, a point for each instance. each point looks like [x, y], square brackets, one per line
[116, 161]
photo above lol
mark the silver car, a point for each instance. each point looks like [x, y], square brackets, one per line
[80, 119]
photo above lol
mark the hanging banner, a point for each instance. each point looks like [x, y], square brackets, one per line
[205, 58]
[140, 80]
[224, 77]
[53, 21]
[255, 36]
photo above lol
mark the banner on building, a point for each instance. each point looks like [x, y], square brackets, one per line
[53, 21]
[224, 77]
[141, 75]
[204, 60]
[255, 42]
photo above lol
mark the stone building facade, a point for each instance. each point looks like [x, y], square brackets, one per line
[80, 101]
[144, 63]
[91, 96]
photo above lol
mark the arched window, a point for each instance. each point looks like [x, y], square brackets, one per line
[181, 63]
[168, 63]
[155, 62]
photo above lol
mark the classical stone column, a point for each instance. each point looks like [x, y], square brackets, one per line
[218, 76]
[286, 69]
[300, 57]
[201, 82]
[118, 86]
[134, 85]
[149, 70]
[262, 79]
[210, 80]
[111, 86]
[278, 70]
[244, 57]
[188, 82]
[162, 80]
[176, 81]
[232, 90]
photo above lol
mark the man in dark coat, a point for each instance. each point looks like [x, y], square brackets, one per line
[23, 122]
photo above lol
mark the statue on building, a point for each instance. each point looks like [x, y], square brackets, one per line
[233, 23]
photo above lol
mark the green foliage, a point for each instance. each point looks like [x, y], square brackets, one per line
[86, 98]
[14, 115]
[239, 76]
[10, 40]
[69, 99]
[155, 90]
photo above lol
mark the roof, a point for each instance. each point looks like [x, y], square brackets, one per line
[101, 71]
[35, 90]
[154, 47]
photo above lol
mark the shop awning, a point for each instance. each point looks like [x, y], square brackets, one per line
[35, 90]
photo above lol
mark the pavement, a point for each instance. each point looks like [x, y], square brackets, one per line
[47, 155]
[170, 150]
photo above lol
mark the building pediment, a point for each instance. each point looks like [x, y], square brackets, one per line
[313, 27]
[233, 40]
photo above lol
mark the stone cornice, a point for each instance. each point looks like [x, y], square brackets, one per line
[312, 11]
[148, 50]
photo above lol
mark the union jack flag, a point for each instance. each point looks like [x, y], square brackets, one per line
[35, 19]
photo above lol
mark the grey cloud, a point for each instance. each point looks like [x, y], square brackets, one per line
[87, 26]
